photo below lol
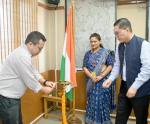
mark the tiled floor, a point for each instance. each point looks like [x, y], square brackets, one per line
[80, 116]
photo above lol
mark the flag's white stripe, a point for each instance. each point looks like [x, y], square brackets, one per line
[68, 88]
[65, 43]
[67, 60]
[67, 68]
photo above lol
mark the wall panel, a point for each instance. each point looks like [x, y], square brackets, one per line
[93, 16]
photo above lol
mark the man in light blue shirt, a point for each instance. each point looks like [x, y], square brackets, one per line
[132, 62]
[16, 74]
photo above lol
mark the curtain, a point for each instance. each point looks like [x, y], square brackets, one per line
[17, 19]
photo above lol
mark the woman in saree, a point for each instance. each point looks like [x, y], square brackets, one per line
[97, 65]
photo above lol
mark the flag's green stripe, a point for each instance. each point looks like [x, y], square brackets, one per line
[69, 95]
[62, 71]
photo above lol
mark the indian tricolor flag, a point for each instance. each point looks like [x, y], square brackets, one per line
[67, 72]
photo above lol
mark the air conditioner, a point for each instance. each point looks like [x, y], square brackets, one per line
[55, 2]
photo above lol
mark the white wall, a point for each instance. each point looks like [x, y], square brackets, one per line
[136, 13]
[45, 26]
[89, 17]
[52, 24]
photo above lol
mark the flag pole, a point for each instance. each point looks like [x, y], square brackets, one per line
[73, 119]
[74, 49]
[68, 68]
[63, 99]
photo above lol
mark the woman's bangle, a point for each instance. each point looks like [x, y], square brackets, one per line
[44, 83]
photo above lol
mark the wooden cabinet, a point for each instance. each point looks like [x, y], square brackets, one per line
[80, 91]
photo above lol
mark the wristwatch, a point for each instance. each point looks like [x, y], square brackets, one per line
[45, 82]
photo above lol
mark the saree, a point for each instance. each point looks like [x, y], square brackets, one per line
[99, 99]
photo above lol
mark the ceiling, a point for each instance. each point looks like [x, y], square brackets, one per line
[124, 2]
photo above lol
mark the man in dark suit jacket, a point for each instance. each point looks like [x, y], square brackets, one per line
[132, 62]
